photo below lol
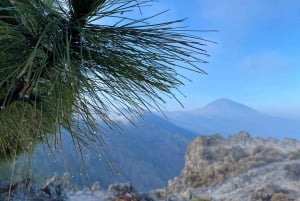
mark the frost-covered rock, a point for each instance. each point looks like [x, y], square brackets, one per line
[239, 168]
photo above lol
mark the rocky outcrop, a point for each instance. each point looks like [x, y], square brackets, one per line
[26, 191]
[122, 192]
[239, 168]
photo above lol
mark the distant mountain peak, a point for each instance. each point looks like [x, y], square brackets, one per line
[225, 106]
[224, 101]
[226, 116]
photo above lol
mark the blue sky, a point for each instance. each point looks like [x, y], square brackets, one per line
[256, 61]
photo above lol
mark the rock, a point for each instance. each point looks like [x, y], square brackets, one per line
[121, 189]
[54, 189]
[281, 197]
[25, 191]
[95, 187]
[262, 194]
[293, 171]
[123, 192]
[238, 167]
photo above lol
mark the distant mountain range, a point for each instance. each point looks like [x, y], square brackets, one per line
[225, 116]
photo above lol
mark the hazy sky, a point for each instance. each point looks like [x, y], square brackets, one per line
[257, 58]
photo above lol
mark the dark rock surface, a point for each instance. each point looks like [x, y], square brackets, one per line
[24, 190]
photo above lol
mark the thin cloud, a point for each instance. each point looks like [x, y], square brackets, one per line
[267, 62]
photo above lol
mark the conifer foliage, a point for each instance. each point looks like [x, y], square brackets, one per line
[62, 66]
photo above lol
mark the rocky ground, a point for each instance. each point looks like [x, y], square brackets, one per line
[237, 168]
[56, 189]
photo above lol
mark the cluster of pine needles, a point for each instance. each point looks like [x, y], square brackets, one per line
[64, 68]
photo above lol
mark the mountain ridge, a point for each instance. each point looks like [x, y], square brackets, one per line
[226, 116]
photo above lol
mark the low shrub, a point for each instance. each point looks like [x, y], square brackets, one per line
[281, 197]
[293, 171]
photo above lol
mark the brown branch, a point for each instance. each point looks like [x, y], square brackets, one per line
[18, 95]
